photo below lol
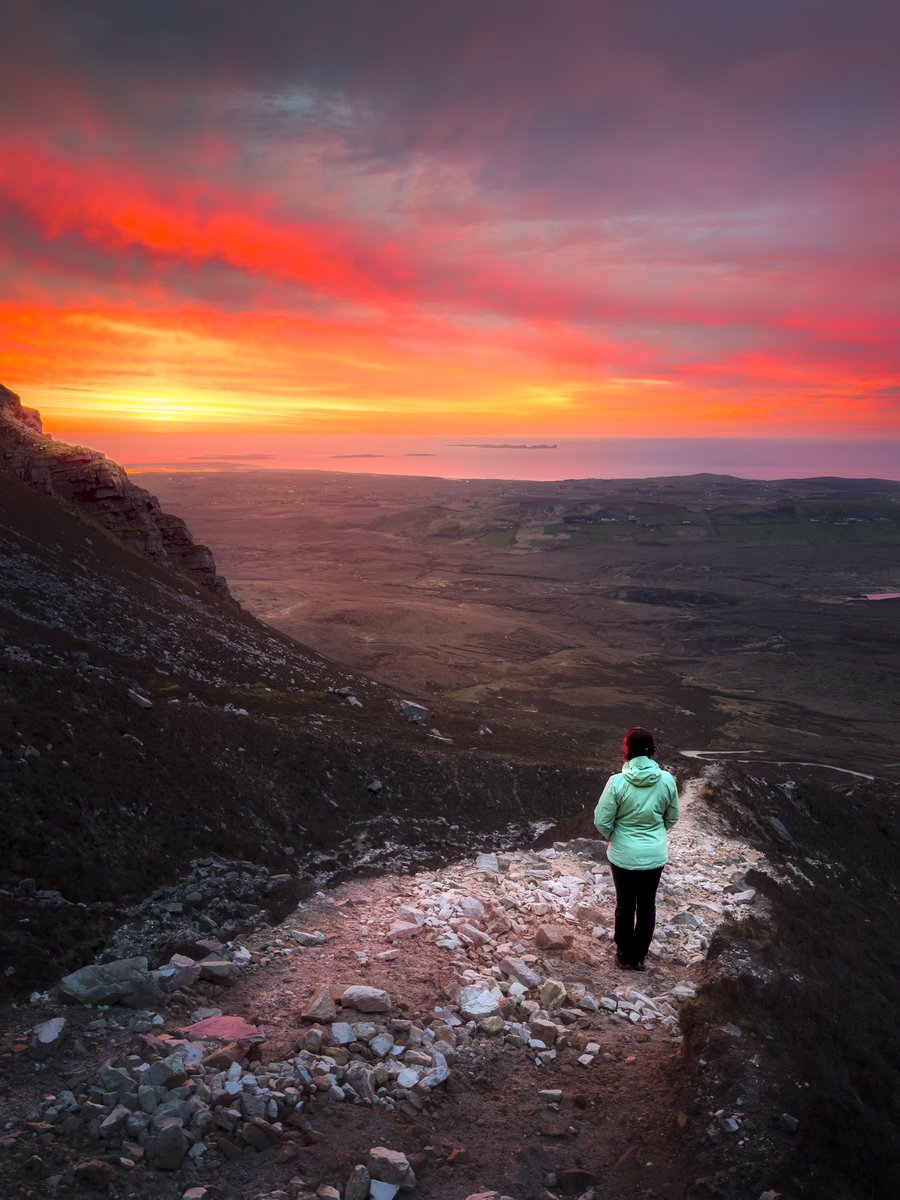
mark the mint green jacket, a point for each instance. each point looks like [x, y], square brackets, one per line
[636, 809]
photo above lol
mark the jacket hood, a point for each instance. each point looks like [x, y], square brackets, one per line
[641, 771]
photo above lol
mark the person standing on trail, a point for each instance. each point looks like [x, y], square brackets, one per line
[635, 812]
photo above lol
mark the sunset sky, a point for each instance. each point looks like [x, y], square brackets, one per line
[442, 216]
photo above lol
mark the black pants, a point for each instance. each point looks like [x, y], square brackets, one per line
[635, 911]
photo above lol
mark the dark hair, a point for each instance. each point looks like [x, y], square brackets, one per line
[638, 741]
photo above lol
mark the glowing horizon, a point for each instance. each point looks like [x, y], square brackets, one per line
[462, 220]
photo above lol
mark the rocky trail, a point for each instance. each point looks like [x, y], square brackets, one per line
[446, 1034]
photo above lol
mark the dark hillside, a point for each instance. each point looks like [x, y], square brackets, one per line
[145, 721]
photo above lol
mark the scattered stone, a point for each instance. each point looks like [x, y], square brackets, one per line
[379, 1190]
[94, 1173]
[553, 937]
[779, 829]
[46, 1038]
[688, 919]
[391, 1166]
[308, 939]
[219, 970]
[471, 908]
[366, 999]
[476, 1003]
[260, 1135]
[521, 972]
[789, 1124]
[552, 994]
[321, 1008]
[487, 862]
[417, 713]
[137, 699]
[357, 1185]
[400, 930]
[168, 1145]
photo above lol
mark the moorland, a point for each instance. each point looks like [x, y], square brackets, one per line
[717, 610]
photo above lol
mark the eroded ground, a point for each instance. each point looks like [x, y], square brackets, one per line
[514, 1054]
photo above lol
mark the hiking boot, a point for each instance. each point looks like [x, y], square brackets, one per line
[638, 966]
[620, 962]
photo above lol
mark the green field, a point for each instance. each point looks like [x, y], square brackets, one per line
[733, 529]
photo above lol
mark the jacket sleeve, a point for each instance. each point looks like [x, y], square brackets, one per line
[606, 810]
[673, 808]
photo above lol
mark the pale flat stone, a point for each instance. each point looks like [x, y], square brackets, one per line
[224, 1029]
[366, 999]
[476, 1003]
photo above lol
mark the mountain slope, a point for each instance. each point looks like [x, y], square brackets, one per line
[146, 720]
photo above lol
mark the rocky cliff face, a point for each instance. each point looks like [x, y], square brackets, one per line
[101, 490]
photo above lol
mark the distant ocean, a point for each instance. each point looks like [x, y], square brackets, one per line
[495, 457]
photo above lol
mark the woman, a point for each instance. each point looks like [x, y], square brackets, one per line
[637, 808]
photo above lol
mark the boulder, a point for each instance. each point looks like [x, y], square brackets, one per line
[126, 981]
[366, 999]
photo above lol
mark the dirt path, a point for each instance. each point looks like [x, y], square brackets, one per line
[514, 1056]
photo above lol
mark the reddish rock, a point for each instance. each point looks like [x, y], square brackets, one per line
[553, 937]
[224, 1029]
[94, 1173]
[221, 1059]
[321, 1007]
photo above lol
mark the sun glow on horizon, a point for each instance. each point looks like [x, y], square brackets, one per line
[288, 229]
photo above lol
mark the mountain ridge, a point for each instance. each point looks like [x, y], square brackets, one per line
[101, 491]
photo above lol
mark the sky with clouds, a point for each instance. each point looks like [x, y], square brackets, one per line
[570, 217]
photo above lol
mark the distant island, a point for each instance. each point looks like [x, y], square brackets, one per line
[505, 446]
[227, 457]
[357, 456]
